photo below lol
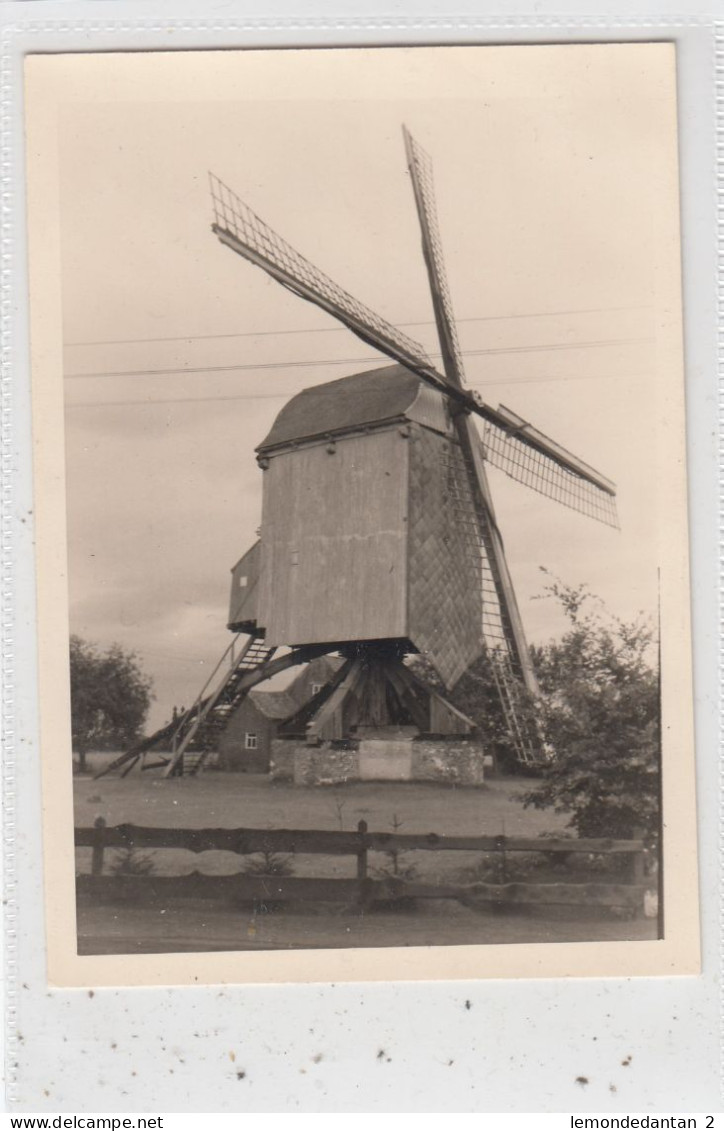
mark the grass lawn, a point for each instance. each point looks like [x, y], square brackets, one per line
[240, 800]
[215, 800]
[228, 800]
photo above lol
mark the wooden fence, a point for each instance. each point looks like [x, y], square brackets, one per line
[364, 889]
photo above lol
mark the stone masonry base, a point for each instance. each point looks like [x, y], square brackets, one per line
[455, 760]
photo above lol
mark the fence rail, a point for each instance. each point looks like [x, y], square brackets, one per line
[363, 889]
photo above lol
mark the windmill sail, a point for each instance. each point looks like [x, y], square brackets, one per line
[237, 226]
[511, 444]
[519, 450]
[420, 167]
[502, 627]
[523, 453]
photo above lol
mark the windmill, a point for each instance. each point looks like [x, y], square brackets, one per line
[451, 595]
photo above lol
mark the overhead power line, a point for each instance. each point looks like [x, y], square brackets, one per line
[298, 364]
[290, 393]
[339, 329]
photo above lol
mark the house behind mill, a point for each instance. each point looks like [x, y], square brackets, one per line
[245, 746]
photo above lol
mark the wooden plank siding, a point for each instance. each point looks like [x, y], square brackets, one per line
[334, 541]
[243, 596]
[233, 752]
[363, 536]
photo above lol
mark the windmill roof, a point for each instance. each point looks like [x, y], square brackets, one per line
[362, 399]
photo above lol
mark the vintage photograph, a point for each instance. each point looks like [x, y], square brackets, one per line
[373, 496]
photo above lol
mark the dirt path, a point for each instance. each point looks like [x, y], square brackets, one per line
[122, 930]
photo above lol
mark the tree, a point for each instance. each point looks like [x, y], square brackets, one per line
[110, 696]
[600, 717]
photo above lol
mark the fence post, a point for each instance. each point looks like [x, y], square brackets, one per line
[637, 871]
[98, 846]
[502, 870]
[362, 863]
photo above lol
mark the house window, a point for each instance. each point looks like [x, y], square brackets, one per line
[316, 688]
[249, 741]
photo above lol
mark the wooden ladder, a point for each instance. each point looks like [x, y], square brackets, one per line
[527, 743]
[212, 710]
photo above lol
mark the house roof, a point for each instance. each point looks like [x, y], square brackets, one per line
[362, 399]
[285, 703]
[334, 663]
[274, 704]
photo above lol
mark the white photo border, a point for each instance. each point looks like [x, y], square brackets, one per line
[542, 1018]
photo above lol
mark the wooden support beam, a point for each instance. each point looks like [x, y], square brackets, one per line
[328, 723]
[472, 446]
[467, 724]
[373, 695]
[282, 663]
[131, 764]
[408, 696]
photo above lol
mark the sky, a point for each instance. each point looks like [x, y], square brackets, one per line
[178, 354]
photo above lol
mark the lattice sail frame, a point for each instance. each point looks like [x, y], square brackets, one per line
[420, 164]
[261, 244]
[510, 451]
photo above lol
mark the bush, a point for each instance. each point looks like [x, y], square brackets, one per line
[264, 865]
[268, 864]
[131, 862]
[600, 716]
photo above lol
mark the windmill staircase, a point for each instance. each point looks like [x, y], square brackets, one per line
[208, 717]
[205, 720]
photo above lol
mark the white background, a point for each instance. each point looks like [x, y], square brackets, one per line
[519, 1046]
